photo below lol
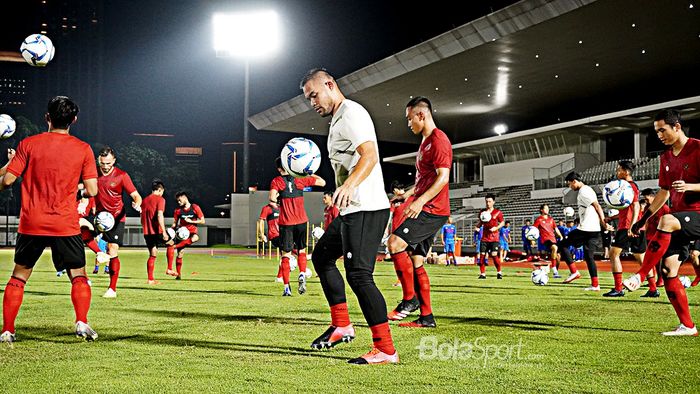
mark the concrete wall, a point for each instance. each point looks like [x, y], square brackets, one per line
[518, 172]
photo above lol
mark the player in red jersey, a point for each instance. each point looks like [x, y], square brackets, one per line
[490, 240]
[153, 224]
[548, 236]
[190, 216]
[86, 212]
[679, 179]
[48, 217]
[270, 214]
[652, 223]
[292, 221]
[624, 239]
[112, 182]
[424, 212]
[330, 211]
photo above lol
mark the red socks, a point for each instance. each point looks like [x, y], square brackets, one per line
[497, 263]
[679, 300]
[114, 266]
[422, 283]
[381, 338]
[697, 275]
[572, 268]
[482, 264]
[170, 254]
[617, 276]
[11, 301]
[658, 245]
[404, 269]
[652, 283]
[285, 270]
[150, 266]
[184, 243]
[81, 294]
[594, 281]
[178, 266]
[89, 239]
[301, 262]
[339, 315]
[279, 270]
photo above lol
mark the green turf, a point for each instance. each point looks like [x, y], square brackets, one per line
[228, 329]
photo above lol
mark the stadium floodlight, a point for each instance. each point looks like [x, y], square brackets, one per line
[500, 129]
[246, 35]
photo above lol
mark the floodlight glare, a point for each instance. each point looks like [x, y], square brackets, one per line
[500, 129]
[247, 35]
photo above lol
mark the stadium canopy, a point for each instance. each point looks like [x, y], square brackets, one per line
[536, 66]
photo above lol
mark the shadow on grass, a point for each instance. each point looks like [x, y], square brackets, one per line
[232, 318]
[229, 291]
[528, 325]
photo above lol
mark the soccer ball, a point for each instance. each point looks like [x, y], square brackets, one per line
[485, 216]
[532, 233]
[37, 50]
[540, 277]
[300, 157]
[7, 126]
[685, 281]
[317, 233]
[104, 221]
[569, 212]
[308, 273]
[293, 263]
[612, 212]
[171, 232]
[182, 233]
[618, 194]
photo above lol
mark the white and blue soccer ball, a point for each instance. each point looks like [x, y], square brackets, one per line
[618, 194]
[569, 212]
[300, 157]
[685, 281]
[182, 233]
[104, 221]
[7, 126]
[293, 264]
[540, 277]
[37, 50]
[485, 216]
[171, 233]
[317, 233]
[532, 233]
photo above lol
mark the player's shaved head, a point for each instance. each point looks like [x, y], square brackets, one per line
[319, 73]
[420, 103]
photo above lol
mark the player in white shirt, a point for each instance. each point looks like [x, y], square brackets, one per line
[364, 212]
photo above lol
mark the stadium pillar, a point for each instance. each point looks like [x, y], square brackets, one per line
[246, 136]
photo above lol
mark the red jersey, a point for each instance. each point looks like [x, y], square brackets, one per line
[271, 215]
[396, 210]
[434, 152]
[291, 192]
[625, 216]
[150, 206]
[653, 222]
[329, 213]
[546, 227]
[51, 164]
[109, 196]
[88, 208]
[194, 212]
[685, 167]
[496, 219]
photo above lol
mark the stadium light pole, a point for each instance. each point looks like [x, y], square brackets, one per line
[246, 35]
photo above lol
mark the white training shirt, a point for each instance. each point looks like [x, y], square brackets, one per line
[351, 126]
[586, 211]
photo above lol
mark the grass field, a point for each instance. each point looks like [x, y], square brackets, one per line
[227, 329]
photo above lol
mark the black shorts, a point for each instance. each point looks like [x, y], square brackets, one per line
[606, 237]
[489, 247]
[293, 236]
[66, 252]
[276, 242]
[578, 238]
[689, 232]
[633, 244]
[115, 235]
[154, 240]
[419, 233]
[695, 245]
[356, 237]
[548, 244]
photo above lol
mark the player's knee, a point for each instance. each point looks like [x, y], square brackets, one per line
[396, 244]
[669, 223]
[357, 279]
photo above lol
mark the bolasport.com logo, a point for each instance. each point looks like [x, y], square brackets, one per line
[479, 351]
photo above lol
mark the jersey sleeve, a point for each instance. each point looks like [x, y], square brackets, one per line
[264, 212]
[499, 217]
[127, 183]
[664, 182]
[277, 184]
[89, 170]
[305, 181]
[443, 153]
[197, 211]
[161, 205]
[176, 216]
[588, 196]
[361, 126]
[19, 163]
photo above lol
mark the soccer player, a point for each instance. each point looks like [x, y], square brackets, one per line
[86, 212]
[187, 215]
[270, 214]
[679, 179]
[504, 240]
[153, 224]
[649, 195]
[527, 245]
[587, 233]
[364, 213]
[548, 233]
[425, 210]
[292, 221]
[47, 216]
[330, 212]
[112, 182]
[490, 238]
[447, 235]
[624, 239]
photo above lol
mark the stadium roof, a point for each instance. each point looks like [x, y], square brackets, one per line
[533, 64]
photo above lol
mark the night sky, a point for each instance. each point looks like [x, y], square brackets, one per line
[161, 75]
